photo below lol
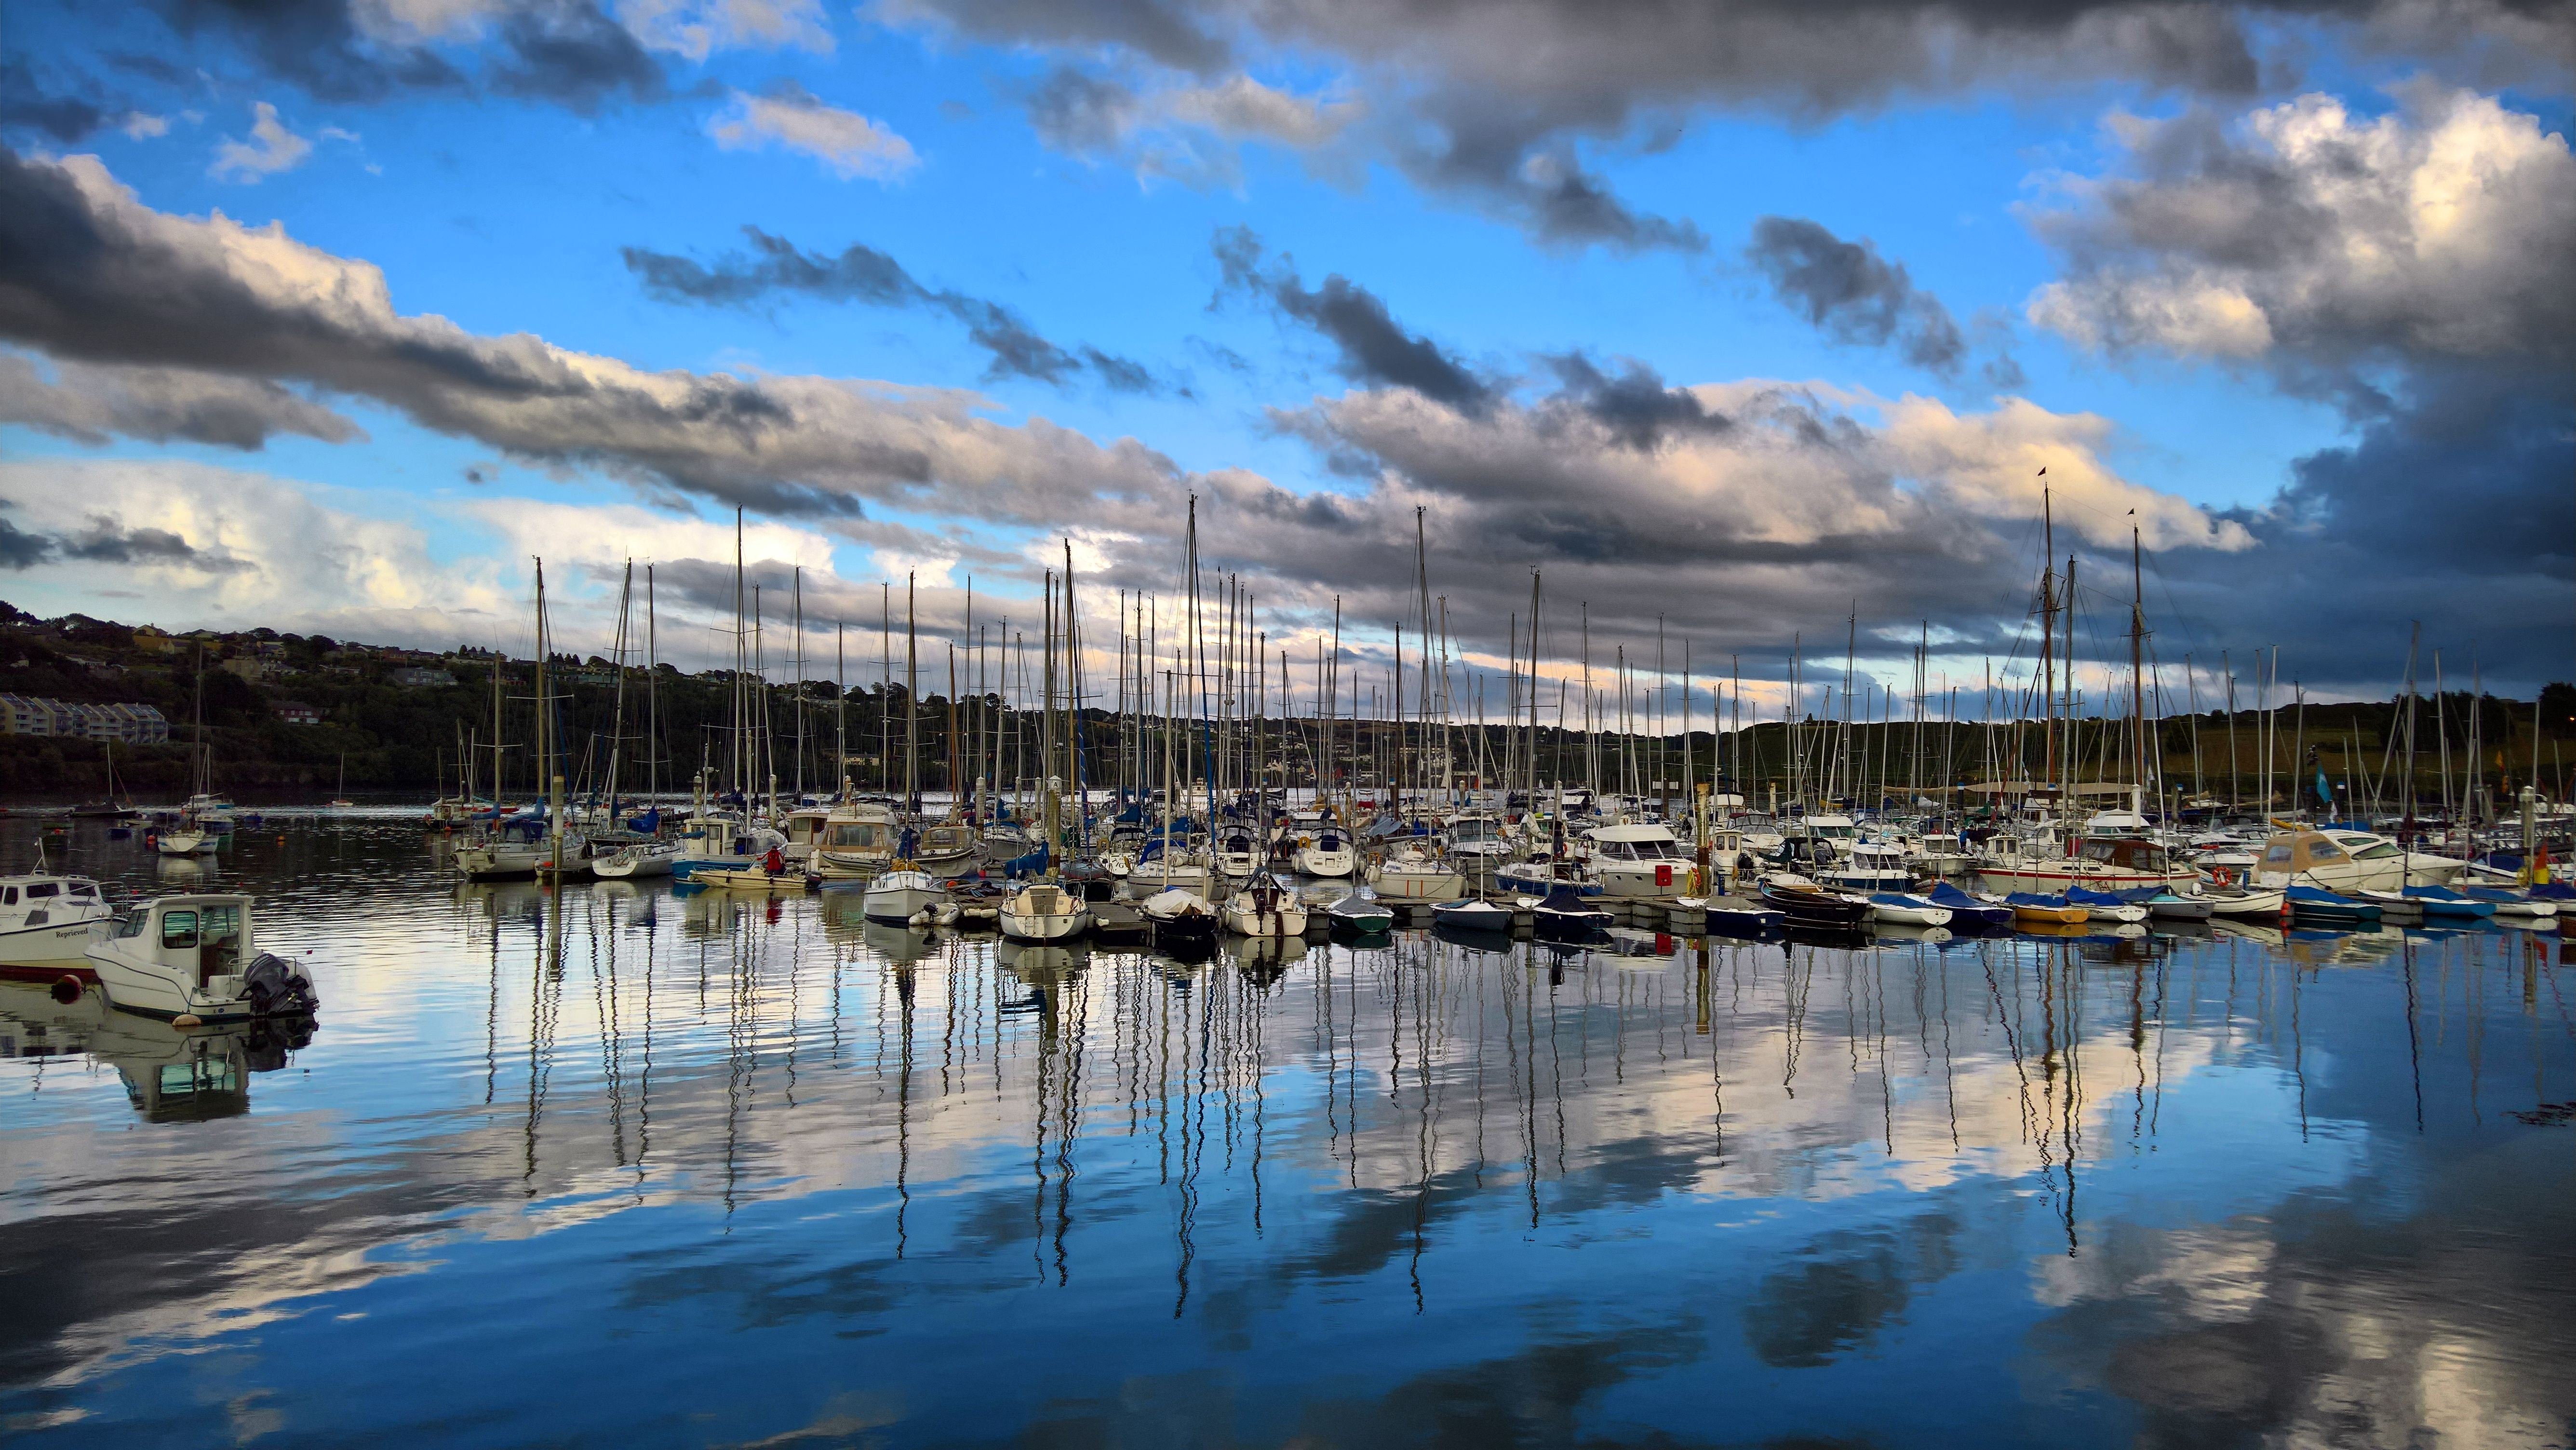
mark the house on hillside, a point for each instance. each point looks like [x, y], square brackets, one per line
[292, 713]
[419, 677]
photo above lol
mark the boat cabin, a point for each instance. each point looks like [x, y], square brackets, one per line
[190, 938]
[33, 900]
[1635, 843]
[2127, 853]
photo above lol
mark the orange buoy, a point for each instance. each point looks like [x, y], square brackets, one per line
[67, 990]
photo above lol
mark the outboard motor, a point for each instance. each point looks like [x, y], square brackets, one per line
[279, 988]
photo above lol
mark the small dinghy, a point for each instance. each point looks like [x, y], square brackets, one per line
[1904, 908]
[1741, 916]
[1360, 911]
[2105, 906]
[1564, 915]
[2232, 901]
[1473, 915]
[2511, 903]
[1969, 910]
[2315, 903]
[2443, 901]
[1809, 905]
[2034, 909]
[746, 878]
[2171, 906]
[1179, 917]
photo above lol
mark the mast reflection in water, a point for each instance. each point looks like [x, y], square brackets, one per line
[630, 1166]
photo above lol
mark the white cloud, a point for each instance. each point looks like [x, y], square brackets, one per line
[271, 149]
[847, 142]
[142, 127]
[2441, 229]
[605, 536]
[243, 549]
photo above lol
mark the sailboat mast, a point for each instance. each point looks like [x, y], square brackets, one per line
[911, 700]
[652, 697]
[2137, 652]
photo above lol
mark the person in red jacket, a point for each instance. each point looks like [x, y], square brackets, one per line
[774, 863]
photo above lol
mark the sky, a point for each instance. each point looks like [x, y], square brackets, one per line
[1749, 327]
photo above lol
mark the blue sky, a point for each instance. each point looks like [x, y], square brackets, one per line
[506, 198]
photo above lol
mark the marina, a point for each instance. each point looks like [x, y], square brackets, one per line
[938, 1183]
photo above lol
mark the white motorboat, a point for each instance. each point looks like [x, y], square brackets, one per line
[1044, 911]
[193, 959]
[1638, 862]
[1871, 866]
[1265, 908]
[1413, 875]
[1118, 863]
[636, 860]
[904, 898]
[46, 923]
[2348, 861]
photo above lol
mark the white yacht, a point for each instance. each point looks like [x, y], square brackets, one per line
[46, 923]
[1479, 838]
[1044, 911]
[1326, 852]
[803, 827]
[1265, 909]
[1411, 874]
[1873, 866]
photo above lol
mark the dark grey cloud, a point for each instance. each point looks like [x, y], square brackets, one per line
[26, 103]
[1075, 111]
[22, 550]
[89, 275]
[1371, 347]
[1852, 294]
[105, 539]
[2295, 243]
[316, 45]
[1636, 406]
[162, 405]
[571, 53]
[1493, 104]
[862, 274]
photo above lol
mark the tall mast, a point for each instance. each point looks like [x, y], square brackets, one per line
[2137, 652]
[797, 611]
[652, 696]
[741, 711]
[617, 729]
[911, 702]
[2047, 631]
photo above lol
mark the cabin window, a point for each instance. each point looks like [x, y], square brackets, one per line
[83, 889]
[133, 924]
[178, 930]
[43, 889]
[2276, 856]
[2380, 852]
[9, 895]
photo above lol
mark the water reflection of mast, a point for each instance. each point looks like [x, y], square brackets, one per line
[2414, 1041]
[612, 1043]
[542, 1004]
[903, 991]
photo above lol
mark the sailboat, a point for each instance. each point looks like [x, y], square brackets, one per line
[340, 794]
[114, 806]
[194, 835]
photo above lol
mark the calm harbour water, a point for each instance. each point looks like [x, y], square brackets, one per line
[626, 1168]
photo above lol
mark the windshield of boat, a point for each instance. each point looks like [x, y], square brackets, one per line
[133, 922]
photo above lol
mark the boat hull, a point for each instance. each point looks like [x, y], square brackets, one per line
[1407, 884]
